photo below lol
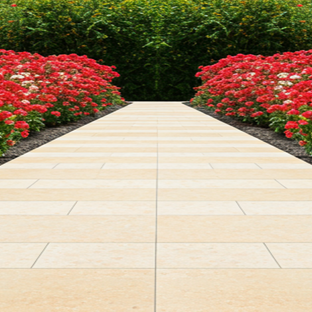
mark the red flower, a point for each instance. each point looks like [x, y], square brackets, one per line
[303, 122]
[9, 122]
[291, 125]
[20, 112]
[307, 114]
[288, 134]
[299, 5]
[5, 115]
[21, 125]
[293, 112]
[302, 143]
[10, 142]
[25, 134]
[55, 113]
[13, 5]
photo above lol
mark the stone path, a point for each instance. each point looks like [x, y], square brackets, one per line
[156, 207]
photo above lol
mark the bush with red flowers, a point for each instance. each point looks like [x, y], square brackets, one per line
[274, 91]
[36, 91]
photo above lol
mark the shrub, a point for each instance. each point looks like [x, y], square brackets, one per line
[274, 91]
[36, 91]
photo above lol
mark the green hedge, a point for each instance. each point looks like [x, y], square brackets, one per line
[156, 45]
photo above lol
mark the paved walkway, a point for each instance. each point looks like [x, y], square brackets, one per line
[156, 207]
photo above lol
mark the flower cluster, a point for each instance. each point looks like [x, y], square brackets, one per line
[36, 91]
[275, 91]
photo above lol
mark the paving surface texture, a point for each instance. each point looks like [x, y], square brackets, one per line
[156, 208]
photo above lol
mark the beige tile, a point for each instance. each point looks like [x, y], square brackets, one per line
[77, 194]
[35, 207]
[79, 166]
[97, 255]
[123, 134]
[168, 169]
[114, 208]
[214, 255]
[128, 174]
[16, 183]
[228, 159]
[19, 255]
[243, 155]
[297, 184]
[77, 174]
[72, 174]
[244, 290]
[76, 290]
[123, 166]
[292, 255]
[93, 184]
[13, 165]
[196, 149]
[181, 155]
[77, 229]
[267, 148]
[117, 150]
[276, 207]
[199, 184]
[52, 149]
[212, 143]
[233, 194]
[186, 173]
[84, 156]
[198, 208]
[188, 135]
[48, 174]
[282, 165]
[129, 155]
[238, 229]
[234, 166]
[66, 142]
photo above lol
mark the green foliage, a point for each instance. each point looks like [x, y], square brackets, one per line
[156, 45]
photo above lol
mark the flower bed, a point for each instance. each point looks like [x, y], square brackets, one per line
[36, 91]
[275, 91]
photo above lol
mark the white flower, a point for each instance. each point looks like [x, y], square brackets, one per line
[295, 77]
[33, 88]
[24, 83]
[282, 75]
[287, 102]
[278, 88]
[285, 83]
[25, 74]
[25, 102]
[17, 77]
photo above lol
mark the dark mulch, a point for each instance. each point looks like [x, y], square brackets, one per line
[48, 134]
[37, 139]
[265, 134]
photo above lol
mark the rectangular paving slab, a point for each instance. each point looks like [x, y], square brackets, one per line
[156, 207]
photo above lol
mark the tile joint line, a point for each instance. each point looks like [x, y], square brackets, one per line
[271, 254]
[32, 184]
[240, 208]
[281, 184]
[72, 208]
[40, 255]
[156, 214]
